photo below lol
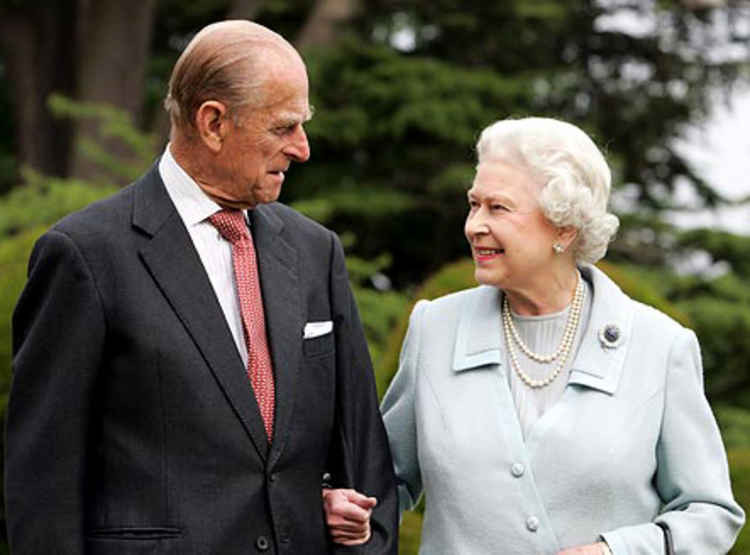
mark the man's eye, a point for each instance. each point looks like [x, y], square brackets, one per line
[500, 207]
[285, 129]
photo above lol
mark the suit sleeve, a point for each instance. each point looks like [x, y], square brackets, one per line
[692, 475]
[363, 461]
[58, 331]
[400, 418]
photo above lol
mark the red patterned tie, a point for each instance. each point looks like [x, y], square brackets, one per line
[231, 225]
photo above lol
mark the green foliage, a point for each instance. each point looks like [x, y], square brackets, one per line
[410, 533]
[402, 115]
[135, 149]
[379, 310]
[739, 466]
[452, 277]
[735, 426]
[376, 203]
[44, 200]
[729, 247]
[722, 327]
[14, 254]
[632, 280]
[393, 140]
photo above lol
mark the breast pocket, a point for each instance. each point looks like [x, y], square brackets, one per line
[318, 346]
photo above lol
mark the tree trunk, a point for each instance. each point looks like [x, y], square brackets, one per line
[326, 18]
[113, 43]
[36, 40]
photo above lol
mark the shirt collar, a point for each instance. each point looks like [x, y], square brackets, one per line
[192, 204]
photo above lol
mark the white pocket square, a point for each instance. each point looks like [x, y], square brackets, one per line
[316, 329]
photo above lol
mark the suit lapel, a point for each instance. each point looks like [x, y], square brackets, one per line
[175, 265]
[282, 303]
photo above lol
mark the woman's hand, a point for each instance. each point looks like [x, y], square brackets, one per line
[348, 515]
[599, 548]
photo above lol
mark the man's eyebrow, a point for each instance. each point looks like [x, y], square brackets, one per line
[289, 119]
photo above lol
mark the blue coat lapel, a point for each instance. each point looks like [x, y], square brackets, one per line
[478, 334]
[598, 364]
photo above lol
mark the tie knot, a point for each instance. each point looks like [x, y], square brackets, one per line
[230, 224]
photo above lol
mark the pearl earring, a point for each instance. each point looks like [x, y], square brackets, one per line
[558, 248]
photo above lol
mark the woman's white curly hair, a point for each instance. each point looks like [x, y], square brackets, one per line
[574, 176]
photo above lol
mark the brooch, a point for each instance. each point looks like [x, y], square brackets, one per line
[610, 336]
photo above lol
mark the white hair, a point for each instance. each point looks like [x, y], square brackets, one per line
[574, 176]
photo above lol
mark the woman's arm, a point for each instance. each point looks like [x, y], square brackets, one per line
[692, 474]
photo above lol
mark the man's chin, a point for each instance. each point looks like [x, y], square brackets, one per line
[267, 194]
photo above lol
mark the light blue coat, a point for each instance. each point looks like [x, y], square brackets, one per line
[631, 441]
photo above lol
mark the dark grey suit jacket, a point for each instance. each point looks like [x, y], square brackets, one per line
[132, 427]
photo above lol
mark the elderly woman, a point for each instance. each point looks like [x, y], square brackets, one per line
[545, 411]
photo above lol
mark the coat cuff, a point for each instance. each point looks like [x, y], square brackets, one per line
[643, 539]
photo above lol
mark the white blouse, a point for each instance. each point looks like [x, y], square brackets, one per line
[542, 334]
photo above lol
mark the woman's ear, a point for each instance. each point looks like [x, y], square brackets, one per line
[212, 124]
[566, 236]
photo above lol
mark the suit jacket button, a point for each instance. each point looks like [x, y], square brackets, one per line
[262, 543]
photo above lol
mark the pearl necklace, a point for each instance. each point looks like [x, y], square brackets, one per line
[563, 351]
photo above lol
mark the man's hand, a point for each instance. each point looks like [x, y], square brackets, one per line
[348, 515]
[599, 548]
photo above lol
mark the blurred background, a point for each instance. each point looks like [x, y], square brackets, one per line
[401, 90]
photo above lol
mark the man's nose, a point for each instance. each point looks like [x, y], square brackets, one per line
[298, 148]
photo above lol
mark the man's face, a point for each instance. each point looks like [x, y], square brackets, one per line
[265, 139]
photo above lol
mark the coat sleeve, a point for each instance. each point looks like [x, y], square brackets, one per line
[692, 474]
[399, 415]
[362, 460]
[58, 332]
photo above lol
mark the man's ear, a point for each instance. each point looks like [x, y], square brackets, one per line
[212, 124]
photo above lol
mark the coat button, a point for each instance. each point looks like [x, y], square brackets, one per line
[517, 470]
[532, 523]
[262, 543]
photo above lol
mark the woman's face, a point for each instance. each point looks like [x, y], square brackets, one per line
[511, 240]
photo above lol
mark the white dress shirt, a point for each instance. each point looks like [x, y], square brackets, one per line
[194, 207]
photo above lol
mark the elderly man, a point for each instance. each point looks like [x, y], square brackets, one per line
[188, 358]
